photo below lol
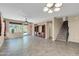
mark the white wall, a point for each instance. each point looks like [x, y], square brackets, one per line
[49, 29]
[74, 28]
[53, 29]
[46, 31]
[32, 29]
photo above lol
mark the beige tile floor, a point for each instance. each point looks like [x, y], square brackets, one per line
[35, 46]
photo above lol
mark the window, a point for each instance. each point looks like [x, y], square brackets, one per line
[15, 28]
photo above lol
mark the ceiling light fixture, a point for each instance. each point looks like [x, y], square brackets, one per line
[50, 11]
[45, 9]
[52, 7]
[49, 5]
[58, 4]
[27, 22]
[57, 9]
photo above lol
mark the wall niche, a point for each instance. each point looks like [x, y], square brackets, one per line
[40, 31]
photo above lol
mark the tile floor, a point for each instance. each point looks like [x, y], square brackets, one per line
[35, 46]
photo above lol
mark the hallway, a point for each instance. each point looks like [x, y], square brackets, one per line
[35, 46]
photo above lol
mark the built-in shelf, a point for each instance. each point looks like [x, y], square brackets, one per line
[40, 31]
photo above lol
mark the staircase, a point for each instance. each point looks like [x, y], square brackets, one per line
[63, 33]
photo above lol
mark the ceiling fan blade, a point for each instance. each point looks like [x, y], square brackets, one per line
[27, 22]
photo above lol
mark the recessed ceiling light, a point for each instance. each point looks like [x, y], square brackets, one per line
[50, 11]
[49, 4]
[58, 4]
[57, 9]
[45, 9]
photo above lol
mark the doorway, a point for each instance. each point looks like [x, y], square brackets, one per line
[66, 28]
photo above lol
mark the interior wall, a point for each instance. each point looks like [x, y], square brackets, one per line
[52, 29]
[73, 28]
[46, 31]
[32, 29]
[2, 32]
[49, 29]
[57, 25]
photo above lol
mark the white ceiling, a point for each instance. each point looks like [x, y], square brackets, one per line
[34, 11]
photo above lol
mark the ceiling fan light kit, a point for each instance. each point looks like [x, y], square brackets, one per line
[27, 22]
[52, 7]
[50, 11]
[49, 5]
[45, 9]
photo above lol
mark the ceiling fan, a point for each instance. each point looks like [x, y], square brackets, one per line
[27, 22]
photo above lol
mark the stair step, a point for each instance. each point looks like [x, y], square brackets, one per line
[61, 40]
[62, 33]
[61, 37]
